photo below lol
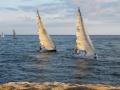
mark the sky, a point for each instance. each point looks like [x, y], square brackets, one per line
[101, 17]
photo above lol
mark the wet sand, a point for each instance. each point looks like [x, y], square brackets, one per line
[54, 86]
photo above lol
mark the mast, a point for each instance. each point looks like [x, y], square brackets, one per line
[83, 41]
[45, 40]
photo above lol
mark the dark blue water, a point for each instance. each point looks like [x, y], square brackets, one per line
[21, 61]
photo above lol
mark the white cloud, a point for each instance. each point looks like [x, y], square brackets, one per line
[59, 14]
[106, 1]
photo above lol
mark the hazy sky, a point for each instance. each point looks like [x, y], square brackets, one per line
[58, 16]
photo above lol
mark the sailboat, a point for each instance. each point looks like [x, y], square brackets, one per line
[2, 35]
[14, 34]
[83, 47]
[46, 43]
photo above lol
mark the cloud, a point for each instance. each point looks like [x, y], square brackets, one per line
[26, 0]
[11, 9]
[27, 8]
[106, 11]
[8, 9]
[106, 1]
[59, 13]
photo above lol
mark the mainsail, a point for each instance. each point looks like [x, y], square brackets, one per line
[46, 42]
[83, 41]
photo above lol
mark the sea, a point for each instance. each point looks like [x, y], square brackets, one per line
[21, 61]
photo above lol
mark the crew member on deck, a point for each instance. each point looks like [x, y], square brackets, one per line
[95, 57]
[40, 48]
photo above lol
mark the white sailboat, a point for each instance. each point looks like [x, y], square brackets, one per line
[84, 47]
[14, 34]
[2, 35]
[46, 43]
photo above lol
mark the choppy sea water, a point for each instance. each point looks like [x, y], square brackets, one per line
[20, 60]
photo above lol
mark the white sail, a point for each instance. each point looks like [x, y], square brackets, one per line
[45, 40]
[83, 41]
[2, 34]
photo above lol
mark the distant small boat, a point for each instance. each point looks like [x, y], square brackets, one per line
[2, 35]
[83, 47]
[46, 43]
[14, 34]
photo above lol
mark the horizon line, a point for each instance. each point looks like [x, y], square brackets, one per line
[64, 34]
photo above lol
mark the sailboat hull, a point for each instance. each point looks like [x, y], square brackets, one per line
[44, 51]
